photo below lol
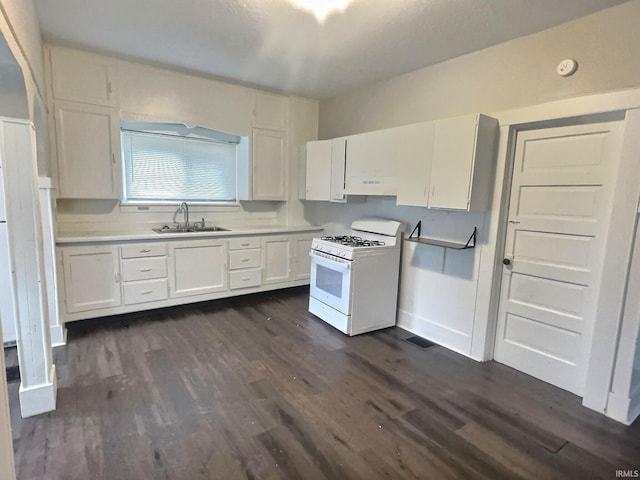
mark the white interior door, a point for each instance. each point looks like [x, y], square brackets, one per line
[558, 217]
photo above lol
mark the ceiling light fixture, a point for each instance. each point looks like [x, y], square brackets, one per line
[321, 9]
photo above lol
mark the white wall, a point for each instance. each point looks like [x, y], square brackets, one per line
[439, 290]
[147, 93]
[13, 96]
[24, 25]
[516, 73]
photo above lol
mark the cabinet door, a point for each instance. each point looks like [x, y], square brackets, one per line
[452, 164]
[79, 78]
[91, 278]
[269, 165]
[371, 163]
[277, 259]
[415, 148]
[338, 157]
[88, 140]
[270, 111]
[301, 259]
[318, 170]
[197, 267]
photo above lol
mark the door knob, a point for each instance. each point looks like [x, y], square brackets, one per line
[506, 261]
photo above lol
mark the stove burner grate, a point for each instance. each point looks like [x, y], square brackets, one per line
[352, 241]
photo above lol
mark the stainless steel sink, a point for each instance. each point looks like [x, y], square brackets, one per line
[166, 229]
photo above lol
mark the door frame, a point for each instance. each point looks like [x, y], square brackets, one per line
[608, 323]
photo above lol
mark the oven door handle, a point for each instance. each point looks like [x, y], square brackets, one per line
[327, 262]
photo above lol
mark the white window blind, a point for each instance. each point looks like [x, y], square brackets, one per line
[160, 167]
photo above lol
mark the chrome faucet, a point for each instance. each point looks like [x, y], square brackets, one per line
[184, 209]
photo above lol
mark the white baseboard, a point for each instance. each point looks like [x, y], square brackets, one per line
[39, 398]
[440, 334]
[58, 336]
[634, 405]
[622, 408]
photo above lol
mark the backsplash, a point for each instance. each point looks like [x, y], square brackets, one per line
[75, 216]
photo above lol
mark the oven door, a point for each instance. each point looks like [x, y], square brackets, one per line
[331, 282]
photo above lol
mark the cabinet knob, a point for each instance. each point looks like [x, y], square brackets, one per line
[506, 262]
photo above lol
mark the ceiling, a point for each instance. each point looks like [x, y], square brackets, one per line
[276, 46]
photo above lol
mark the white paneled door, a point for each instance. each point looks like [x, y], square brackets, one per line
[558, 219]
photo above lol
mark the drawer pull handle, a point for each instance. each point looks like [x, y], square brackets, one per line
[246, 279]
[145, 250]
[146, 292]
[146, 269]
[245, 244]
[245, 260]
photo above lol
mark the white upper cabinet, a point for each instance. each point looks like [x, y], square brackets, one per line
[80, 78]
[270, 111]
[338, 157]
[462, 162]
[315, 171]
[415, 148]
[269, 159]
[269, 165]
[88, 143]
[370, 165]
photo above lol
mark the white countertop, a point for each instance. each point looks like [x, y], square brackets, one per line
[112, 236]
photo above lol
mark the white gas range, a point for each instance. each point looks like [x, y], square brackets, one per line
[354, 277]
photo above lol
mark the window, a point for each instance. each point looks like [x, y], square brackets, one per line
[170, 162]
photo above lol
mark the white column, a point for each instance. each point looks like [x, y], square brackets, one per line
[58, 332]
[37, 372]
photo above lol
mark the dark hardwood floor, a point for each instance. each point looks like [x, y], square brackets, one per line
[256, 387]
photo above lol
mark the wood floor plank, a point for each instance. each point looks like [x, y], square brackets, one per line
[256, 387]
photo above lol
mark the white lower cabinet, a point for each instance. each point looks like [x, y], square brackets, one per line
[146, 291]
[277, 259]
[197, 267]
[91, 278]
[301, 259]
[245, 278]
[112, 278]
[286, 259]
[144, 273]
[245, 263]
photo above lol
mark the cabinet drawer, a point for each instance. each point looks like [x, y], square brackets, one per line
[144, 268]
[244, 258]
[241, 243]
[143, 250]
[245, 279]
[147, 291]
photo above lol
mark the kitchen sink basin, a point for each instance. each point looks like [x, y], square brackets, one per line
[166, 229]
